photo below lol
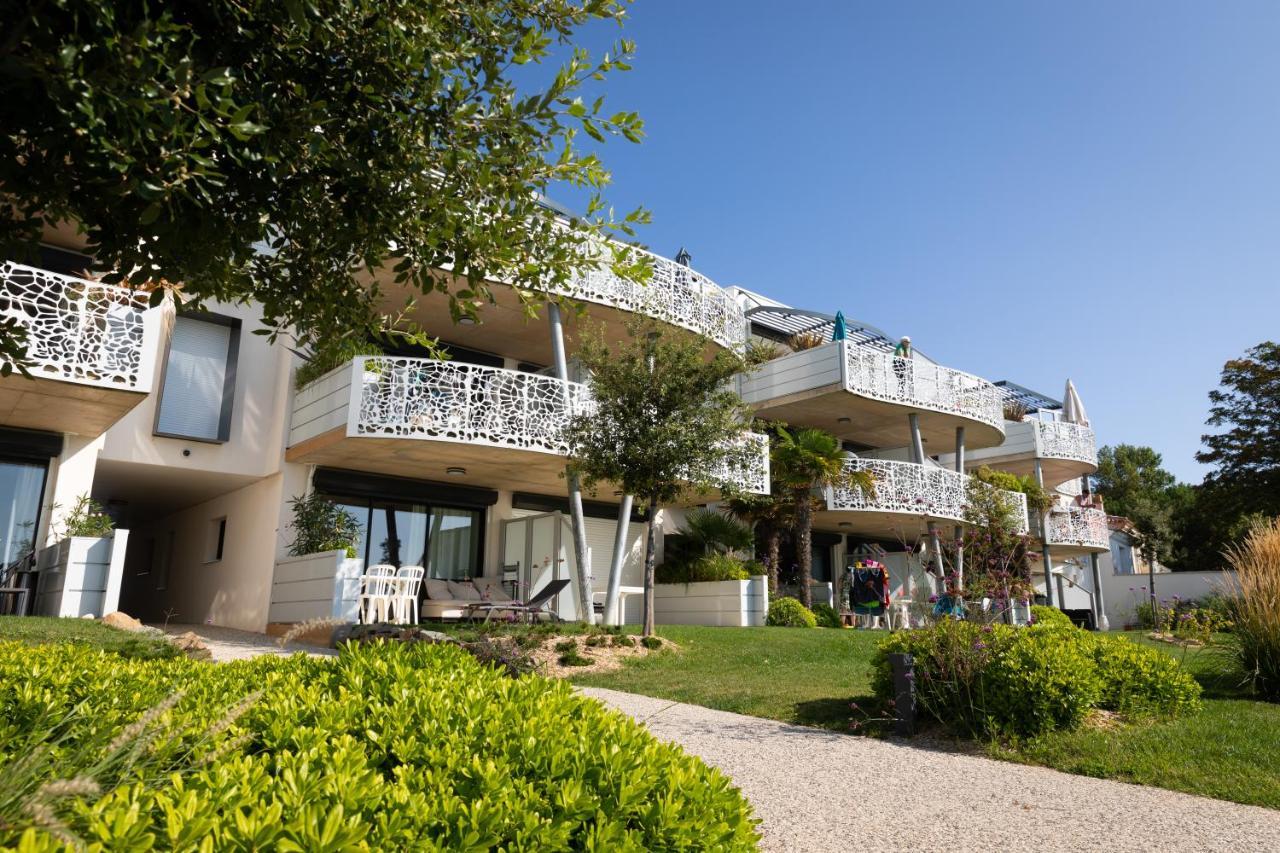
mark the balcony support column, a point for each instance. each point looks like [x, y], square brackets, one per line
[611, 614]
[917, 443]
[959, 531]
[1099, 605]
[585, 608]
[1044, 542]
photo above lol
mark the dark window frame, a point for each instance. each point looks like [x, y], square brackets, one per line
[228, 379]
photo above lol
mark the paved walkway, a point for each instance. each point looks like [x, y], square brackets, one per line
[229, 644]
[817, 791]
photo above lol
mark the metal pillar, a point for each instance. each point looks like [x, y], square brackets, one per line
[917, 443]
[1047, 559]
[1099, 605]
[959, 531]
[575, 492]
[611, 614]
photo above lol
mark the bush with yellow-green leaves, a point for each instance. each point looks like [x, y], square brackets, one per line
[386, 747]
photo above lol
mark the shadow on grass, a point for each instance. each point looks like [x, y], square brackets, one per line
[838, 713]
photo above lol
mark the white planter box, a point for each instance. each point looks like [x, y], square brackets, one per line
[316, 586]
[721, 603]
[80, 576]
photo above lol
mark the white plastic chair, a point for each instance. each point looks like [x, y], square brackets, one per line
[405, 595]
[377, 587]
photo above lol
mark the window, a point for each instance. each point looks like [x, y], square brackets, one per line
[199, 379]
[445, 540]
[217, 538]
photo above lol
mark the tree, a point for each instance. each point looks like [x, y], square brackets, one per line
[663, 422]
[1133, 483]
[807, 460]
[770, 516]
[277, 151]
[1245, 452]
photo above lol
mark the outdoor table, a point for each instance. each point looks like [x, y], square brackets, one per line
[623, 592]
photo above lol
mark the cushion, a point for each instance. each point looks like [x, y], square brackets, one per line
[438, 589]
[491, 589]
[464, 591]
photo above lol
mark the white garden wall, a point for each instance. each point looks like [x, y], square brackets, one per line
[720, 603]
[80, 576]
[1186, 585]
[316, 586]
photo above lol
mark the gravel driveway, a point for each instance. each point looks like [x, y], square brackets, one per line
[817, 790]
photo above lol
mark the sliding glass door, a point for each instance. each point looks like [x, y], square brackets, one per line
[21, 487]
[445, 540]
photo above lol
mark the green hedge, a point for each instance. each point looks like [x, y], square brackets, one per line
[790, 613]
[387, 747]
[998, 680]
[1042, 615]
[705, 567]
[825, 615]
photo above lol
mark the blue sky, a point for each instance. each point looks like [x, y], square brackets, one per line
[1031, 190]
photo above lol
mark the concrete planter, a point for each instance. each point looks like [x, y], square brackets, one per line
[81, 575]
[316, 586]
[721, 603]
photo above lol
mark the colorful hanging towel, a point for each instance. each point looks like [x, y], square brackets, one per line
[869, 588]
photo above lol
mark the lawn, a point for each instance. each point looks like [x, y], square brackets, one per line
[39, 630]
[1230, 750]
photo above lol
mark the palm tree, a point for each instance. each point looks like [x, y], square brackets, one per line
[715, 532]
[804, 462]
[769, 515]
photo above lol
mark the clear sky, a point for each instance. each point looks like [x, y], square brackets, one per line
[1031, 190]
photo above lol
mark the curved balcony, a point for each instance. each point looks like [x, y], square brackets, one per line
[864, 394]
[1065, 451]
[1067, 441]
[674, 294]
[90, 349]
[1073, 528]
[435, 419]
[905, 492]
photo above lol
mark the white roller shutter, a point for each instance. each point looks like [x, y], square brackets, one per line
[194, 379]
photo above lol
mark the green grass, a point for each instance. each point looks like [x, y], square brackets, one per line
[39, 630]
[796, 675]
[1230, 750]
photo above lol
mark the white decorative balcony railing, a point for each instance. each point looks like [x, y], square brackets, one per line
[1080, 527]
[674, 294]
[906, 487]
[1065, 440]
[77, 331]
[472, 404]
[921, 383]
[468, 403]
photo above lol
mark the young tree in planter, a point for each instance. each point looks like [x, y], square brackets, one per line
[805, 461]
[664, 421]
[276, 152]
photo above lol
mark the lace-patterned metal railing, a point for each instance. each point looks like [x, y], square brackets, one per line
[923, 384]
[1065, 440]
[1078, 526]
[468, 403]
[77, 331]
[674, 294]
[906, 487]
[473, 404]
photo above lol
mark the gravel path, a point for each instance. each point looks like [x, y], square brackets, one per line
[229, 644]
[817, 790]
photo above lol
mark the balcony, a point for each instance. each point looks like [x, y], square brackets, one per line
[675, 294]
[863, 394]
[441, 419]
[905, 499]
[90, 349]
[1066, 451]
[1074, 529]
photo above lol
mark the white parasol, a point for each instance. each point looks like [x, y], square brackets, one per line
[1072, 408]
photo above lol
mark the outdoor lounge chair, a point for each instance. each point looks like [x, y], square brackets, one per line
[530, 609]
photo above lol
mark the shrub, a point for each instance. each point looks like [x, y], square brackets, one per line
[996, 680]
[1141, 680]
[705, 567]
[1256, 625]
[826, 616]
[396, 746]
[332, 358]
[790, 613]
[1043, 615]
[321, 525]
[651, 643]
[88, 518]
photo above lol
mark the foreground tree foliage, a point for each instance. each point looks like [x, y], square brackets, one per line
[664, 422]
[275, 151]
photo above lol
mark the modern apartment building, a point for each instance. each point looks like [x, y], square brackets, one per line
[195, 434]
